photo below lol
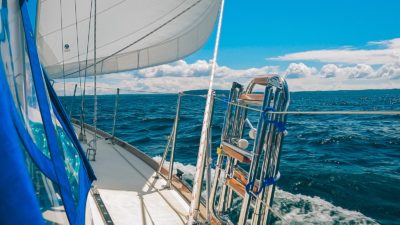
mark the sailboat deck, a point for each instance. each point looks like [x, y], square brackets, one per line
[129, 189]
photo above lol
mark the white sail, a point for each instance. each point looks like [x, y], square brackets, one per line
[131, 34]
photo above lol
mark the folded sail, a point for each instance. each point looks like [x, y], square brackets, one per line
[130, 34]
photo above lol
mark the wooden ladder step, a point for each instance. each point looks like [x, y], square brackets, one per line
[239, 187]
[236, 186]
[240, 176]
[261, 80]
[234, 154]
[252, 97]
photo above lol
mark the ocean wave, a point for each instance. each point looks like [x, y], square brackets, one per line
[296, 208]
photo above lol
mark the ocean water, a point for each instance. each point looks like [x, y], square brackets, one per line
[336, 169]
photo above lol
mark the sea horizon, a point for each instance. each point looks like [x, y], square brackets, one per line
[136, 92]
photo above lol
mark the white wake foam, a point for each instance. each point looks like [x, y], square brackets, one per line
[298, 208]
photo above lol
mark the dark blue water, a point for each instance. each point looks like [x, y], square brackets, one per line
[336, 169]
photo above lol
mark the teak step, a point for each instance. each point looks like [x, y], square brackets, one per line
[240, 175]
[238, 187]
[261, 81]
[252, 97]
[234, 154]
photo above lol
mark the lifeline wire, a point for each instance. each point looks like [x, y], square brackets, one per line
[315, 112]
[275, 212]
[271, 112]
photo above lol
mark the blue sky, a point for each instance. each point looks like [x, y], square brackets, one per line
[257, 29]
[315, 44]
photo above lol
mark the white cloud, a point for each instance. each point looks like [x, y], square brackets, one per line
[389, 71]
[357, 77]
[179, 68]
[388, 53]
[350, 72]
[345, 68]
[299, 70]
[200, 68]
[329, 71]
[169, 78]
[182, 76]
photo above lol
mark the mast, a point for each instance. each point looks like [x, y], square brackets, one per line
[201, 157]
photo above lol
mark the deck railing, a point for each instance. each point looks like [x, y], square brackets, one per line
[274, 109]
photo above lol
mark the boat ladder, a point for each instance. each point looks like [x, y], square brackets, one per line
[249, 176]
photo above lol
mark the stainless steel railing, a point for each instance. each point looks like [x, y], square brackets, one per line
[115, 115]
[264, 157]
[171, 144]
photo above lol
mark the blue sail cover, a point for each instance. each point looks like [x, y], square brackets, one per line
[44, 174]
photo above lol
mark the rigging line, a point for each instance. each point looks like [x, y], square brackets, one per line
[259, 110]
[315, 112]
[143, 27]
[84, 19]
[95, 75]
[77, 45]
[197, 181]
[142, 38]
[127, 35]
[339, 112]
[271, 209]
[84, 79]
[62, 44]
[275, 212]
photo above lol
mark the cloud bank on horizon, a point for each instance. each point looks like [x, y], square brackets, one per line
[375, 67]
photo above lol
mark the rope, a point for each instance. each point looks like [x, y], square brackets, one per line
[77, 45]
[268, 111]
[339, 112]
[266, 182]
[95, 75]
[272, 180]
[276, 213]
[84, 80]
[62, 45]
[197, 181]
[313, 112]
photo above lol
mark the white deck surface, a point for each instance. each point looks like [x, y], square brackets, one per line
[129, 191]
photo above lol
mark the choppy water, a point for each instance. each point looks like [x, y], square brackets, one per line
[335, 169]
